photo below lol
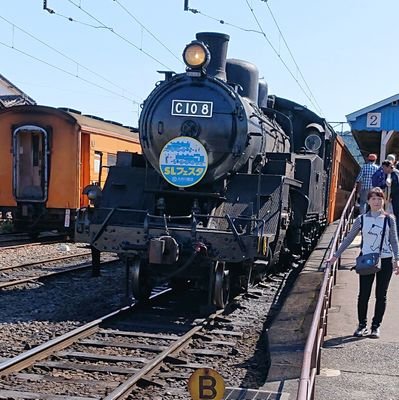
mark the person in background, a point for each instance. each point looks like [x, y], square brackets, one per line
[364, 180]
[371, 225]
[391, 186]
[378, 178]
[392, 158]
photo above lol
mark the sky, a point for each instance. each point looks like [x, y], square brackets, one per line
[341, 55]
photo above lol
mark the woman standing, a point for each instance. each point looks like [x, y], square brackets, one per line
[373, 223]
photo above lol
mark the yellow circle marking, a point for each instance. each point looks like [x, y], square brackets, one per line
[206, 384]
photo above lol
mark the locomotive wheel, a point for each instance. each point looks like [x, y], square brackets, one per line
[140, 283]
[221, 290]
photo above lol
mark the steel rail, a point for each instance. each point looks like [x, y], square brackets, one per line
[318, 328]
[64, 271]
[47, 260]
[125, 387]
[39, 277]
[27, 358]
[27, 244]
[44, 350]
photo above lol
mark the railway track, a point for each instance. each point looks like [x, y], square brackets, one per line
[160, 345]
[75, 355]
[9, 244]
[42, 269]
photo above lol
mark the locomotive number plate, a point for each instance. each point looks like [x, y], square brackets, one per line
[188, 108]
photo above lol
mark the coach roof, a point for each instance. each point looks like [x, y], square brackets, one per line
[73, 116]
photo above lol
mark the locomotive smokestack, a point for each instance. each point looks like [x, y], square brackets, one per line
[262, 94]
[217, 44]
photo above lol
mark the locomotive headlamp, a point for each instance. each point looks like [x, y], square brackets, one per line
[93, 193]
[196, 55]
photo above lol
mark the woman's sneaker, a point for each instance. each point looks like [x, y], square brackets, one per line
[375, 333]
[361, 331]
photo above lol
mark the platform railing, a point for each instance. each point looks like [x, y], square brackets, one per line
[318, 328]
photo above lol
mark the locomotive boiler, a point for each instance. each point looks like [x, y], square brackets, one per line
[231, 182]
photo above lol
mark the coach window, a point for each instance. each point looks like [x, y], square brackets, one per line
[111, 159]
[98, 166]
[30, 163]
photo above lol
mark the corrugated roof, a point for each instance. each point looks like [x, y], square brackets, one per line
[11, 95]
[12, 100]
[89, 123]
[352, 117]
[111, 127]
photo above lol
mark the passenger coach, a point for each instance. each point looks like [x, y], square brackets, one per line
[47, 157]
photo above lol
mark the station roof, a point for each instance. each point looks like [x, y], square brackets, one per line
[10, 95]
[387, 120]
[368, 123]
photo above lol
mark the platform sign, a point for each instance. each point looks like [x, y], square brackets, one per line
[206, 384]
[374, 120]
[183, 161]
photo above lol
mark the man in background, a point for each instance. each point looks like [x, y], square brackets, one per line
[391, 187]
[378, 179]
[364, 180]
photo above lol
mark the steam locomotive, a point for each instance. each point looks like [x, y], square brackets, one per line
[231, 183]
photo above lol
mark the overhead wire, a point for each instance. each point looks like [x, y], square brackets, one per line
[78, 64]
[341, 124]
[221, 21]
[74, 20]
[261, 32]
[281, 59]
[290, 52]
[112, 30]
[147, 30]
[68, 72]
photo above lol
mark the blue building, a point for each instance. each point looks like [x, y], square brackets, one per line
[376, 127]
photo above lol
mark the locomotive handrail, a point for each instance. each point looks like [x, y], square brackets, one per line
[103, 225]
[318, 328]
[260, 222]
[236, 234]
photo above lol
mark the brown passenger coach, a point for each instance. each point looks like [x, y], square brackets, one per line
[47, 157]
[344, 170]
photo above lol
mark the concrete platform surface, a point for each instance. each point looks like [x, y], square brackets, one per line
[359, 368]
[351, 368]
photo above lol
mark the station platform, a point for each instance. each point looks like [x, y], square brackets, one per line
[359, 368]
[351, 368]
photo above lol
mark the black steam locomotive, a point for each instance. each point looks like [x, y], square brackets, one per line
[232, 181]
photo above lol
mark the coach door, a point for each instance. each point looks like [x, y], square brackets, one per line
[30, 182]
[84, 167]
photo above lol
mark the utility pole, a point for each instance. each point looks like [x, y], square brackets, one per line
[185, 5]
